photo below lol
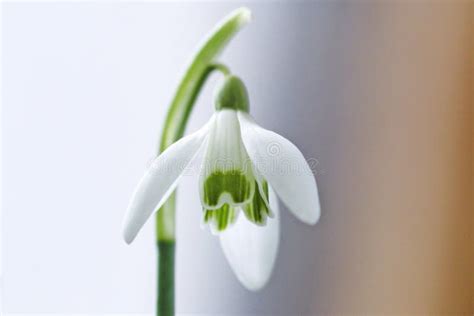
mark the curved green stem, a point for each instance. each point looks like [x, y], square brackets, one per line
[220, 67]
[202, 64]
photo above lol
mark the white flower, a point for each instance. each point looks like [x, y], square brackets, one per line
[244, 168]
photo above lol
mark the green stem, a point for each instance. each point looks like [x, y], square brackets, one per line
[179, 111]
[165, 299]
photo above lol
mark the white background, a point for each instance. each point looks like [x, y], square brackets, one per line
[379, 94]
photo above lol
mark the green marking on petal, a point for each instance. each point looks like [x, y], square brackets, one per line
[257, 210]
[265, 189]
[220, 218]
[231, 186]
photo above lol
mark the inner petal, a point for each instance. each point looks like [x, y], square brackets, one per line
[258, 209]
[226, 176]
[221, 218]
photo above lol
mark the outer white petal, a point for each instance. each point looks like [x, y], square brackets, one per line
[160, 180]
[284, 167]
[251, 249]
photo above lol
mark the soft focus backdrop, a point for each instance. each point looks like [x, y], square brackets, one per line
[380, 94]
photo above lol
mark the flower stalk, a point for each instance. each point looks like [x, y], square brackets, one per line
[201, 66]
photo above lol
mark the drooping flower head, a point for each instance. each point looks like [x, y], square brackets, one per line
[244, 168]
[229, 182]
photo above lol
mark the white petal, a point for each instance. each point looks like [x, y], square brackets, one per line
[160, 180]
[284, 167]
[251, 249]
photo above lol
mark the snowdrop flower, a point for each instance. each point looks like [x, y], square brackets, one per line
[244, 168]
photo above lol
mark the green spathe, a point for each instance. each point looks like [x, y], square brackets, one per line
[232, 94]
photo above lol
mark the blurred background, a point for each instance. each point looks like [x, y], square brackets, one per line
[380, 94]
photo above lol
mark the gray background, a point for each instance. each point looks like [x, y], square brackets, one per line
[379, 94]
